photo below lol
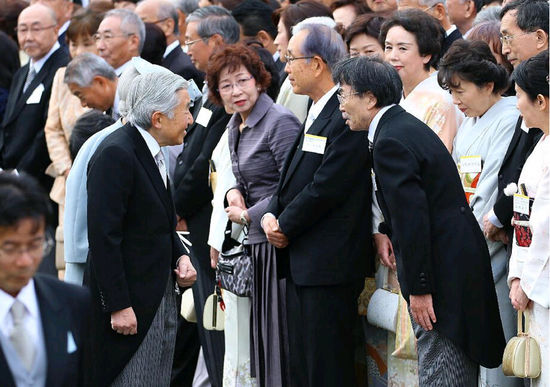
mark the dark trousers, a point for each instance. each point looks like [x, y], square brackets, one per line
[320, 329]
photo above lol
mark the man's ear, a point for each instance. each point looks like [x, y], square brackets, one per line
[156, 120]
[264, 38]
[215, 40]
[542, 39]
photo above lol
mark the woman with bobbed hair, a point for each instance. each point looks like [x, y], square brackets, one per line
[260, 135]
[64, 109]
[361, 36]
[476, 82]
[412, 41]
[529, 272]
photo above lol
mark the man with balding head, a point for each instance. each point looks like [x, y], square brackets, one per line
[463, 13]
[119, 38]
[165, 15]
[22, 139]
[63, 10]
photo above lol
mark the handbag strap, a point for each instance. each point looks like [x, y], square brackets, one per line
[523, 329]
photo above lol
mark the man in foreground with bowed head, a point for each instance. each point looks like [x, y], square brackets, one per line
[134, 248]
[443, 264]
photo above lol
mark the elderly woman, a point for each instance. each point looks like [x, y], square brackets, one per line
[529, 273]
[260, 135]
[63, 111]
[412, 42]
[362, 36]
[286, 18]
[476, 82]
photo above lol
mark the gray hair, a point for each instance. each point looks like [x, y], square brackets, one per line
[216, 20]
[167, 10]
[431, 3]
[153, 92]
[82, 70]
[186, 6]
[130, 24]
[488, 14]
[325, 42]
[324, 20]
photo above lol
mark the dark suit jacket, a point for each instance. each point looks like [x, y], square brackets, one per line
[22, 139]
[439, 246]
[520, 147]
[179, 63]
[64, 308]
[133, 244]
[323, 203]
[449, 40]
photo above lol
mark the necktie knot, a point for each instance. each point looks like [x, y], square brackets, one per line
[19, 336]
[17, 312]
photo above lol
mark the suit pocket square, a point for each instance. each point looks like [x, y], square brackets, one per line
[71, 345]
[36, 95]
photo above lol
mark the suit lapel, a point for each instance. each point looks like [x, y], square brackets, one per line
[55, 330]
[514, 141]
[150, 166]
[385, 117]
[18, 82]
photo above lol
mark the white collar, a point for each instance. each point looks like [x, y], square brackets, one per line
[120, 69]
[317, 107]
[276, 56]
[171, 48]
[374, 123]
[27, 296]
[63, 28]
[37, 65]
[450, 30]
[152, 144]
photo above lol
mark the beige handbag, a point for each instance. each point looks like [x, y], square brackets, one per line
[213, 318]
[188, 306]
[522, 353]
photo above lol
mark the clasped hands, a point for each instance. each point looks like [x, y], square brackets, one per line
[492, 232]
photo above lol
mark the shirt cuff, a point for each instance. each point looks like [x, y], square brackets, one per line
[265, 215]
[494, 220]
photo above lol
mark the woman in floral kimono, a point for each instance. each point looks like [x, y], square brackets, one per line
[476, 82]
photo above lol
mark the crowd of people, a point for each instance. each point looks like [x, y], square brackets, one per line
[343, 143]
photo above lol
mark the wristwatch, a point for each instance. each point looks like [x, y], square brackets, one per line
[243, 219]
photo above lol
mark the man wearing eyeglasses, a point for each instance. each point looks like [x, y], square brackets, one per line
[63, 10]
[119, 38]
[22, 139]
[320, 218]
[43, 321]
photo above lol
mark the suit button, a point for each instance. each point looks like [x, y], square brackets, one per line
[500, 177]
[462, 209]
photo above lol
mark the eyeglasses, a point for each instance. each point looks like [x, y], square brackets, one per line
[189, 43]
[342, 98]
[289, 59]
[507, 39]
[158, 21]
[33, 30]
[108, 36]
[40, 247]
[227, 88]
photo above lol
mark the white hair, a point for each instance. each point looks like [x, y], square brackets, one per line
[324, 20]
[153, 92]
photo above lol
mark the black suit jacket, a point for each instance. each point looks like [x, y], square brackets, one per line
[179, 63]
[449, 40]
[323, 204]
[520, 147]
[133, 244]
[63, 308]
[439, 246]
[22, 138]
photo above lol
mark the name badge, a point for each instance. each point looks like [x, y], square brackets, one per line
[314, 144]
[521, 204]
[36, 95]
[470, 164]
[203, 118]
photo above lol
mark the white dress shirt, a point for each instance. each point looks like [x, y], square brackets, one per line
[317, 107]
[32, 321]
[171, 47]
[37, 65]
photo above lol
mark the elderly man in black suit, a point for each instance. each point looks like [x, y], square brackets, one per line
[132, 236]
[43, 321]
[165, 15]
[22, 138]
[320, 218]
[63, 11]
[443, 264]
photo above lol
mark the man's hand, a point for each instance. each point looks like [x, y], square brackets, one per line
[489, 229]
[235, 198]
[384, 250]
[273, 233]
[182, 225]
[214, 255]
[185, 272]
[422, 310]
[519, 299]
[124, 321]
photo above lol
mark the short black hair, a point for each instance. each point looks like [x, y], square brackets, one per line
[531, 14]
[426, 29]
[254, 16]
[370, 75]
[532, 75]
[85, 127]
[472, 61]
[21, 197]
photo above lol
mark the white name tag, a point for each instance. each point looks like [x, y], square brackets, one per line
[314, 144]
[470, 164]
[203, 118]
[36, 95]
[521, 204]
